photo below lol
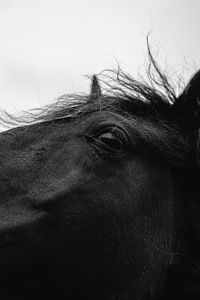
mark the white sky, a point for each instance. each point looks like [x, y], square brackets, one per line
[47, 46]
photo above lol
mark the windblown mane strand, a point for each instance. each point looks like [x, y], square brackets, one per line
[156, 95]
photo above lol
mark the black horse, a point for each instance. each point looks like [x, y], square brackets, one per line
[99, 198]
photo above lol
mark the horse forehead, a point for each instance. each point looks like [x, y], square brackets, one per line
[28, 148]
[59, 130]
[23, 138]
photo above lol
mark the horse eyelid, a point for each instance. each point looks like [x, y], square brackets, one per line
[114, 129]
[104, 147]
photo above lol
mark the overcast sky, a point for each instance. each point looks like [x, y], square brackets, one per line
[47, 46]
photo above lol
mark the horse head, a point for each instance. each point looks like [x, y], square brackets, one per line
[100, 199]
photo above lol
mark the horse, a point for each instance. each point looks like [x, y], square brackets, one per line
[99, 194]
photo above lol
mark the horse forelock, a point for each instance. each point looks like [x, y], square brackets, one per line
[144, 102]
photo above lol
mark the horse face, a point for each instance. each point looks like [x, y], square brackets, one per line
[85, 211]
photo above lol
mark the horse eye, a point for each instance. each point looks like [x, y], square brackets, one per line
[111, 140]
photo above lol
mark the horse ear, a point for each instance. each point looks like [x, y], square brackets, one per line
[95, 88]
[187, 105]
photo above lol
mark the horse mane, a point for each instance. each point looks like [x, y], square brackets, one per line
[155, 94]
